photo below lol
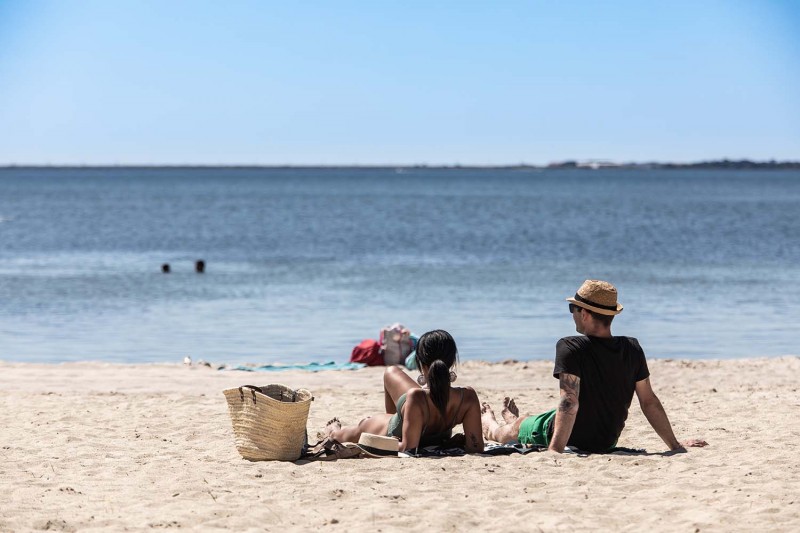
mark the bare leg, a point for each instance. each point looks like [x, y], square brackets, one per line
[376, 425]
[391, 407]
[494, 431]
[395, 383]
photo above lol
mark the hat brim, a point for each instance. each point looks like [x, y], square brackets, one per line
[385, 446]
[594, 309]
[376, 452]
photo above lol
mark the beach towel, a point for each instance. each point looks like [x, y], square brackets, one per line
[511, 448]
[491, 448]
[310, 367]
[330, 449]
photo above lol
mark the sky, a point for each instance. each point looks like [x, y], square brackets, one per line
[397, 83]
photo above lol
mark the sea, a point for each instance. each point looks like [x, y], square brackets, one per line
[304, 263]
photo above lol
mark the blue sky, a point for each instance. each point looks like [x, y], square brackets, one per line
[381, 82]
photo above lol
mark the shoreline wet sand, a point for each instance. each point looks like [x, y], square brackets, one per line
[101, 446]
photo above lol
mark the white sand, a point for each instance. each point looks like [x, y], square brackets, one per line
[111, 447]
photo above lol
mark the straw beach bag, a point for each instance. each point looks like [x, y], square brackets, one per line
[269, 422]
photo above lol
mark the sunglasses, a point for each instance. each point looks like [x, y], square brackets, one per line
[573, 308]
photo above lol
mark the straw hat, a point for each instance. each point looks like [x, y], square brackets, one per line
[597, 296]
[378, 446]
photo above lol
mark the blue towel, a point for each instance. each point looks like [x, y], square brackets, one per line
[310, 367]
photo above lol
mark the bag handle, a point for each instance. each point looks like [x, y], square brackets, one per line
[253, 390]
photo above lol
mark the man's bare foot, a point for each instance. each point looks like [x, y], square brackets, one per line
[488, 421]
[510, 411]
[332, 425]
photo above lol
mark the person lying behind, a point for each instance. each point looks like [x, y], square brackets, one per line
[422, 413]
[598, 375]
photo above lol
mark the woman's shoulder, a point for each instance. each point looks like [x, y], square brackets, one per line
[469, 394]
[416, 395]
[416, 401]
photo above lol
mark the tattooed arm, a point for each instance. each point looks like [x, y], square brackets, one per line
[567, 411]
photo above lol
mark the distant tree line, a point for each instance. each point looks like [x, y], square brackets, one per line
[716, 164]
[587, 164]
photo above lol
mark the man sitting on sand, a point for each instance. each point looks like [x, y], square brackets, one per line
[598, 374]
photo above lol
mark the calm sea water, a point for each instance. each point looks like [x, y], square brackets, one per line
[303, 264]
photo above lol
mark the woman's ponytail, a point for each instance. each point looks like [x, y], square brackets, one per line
[437, 351]
[439, 380]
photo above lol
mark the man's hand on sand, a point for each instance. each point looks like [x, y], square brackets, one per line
[691, 443]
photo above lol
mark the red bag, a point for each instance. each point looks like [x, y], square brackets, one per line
[368, 352]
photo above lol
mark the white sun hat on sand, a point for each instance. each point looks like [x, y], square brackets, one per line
[378, 445]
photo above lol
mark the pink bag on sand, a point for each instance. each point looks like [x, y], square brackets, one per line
[396, 344]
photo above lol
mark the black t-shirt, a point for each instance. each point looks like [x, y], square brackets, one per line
[609, 369]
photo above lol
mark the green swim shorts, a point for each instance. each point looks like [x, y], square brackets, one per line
[533, 430]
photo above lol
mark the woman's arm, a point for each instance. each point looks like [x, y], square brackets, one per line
[413, 419]
[472, 422]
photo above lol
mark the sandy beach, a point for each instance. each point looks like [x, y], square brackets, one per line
[97, 446]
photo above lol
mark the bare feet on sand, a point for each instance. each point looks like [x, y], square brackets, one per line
[510, 411]
[332, 425]
[488, 421]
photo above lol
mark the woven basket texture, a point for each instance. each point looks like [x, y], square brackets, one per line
[269, 424]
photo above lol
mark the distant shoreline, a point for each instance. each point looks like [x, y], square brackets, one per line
[722, 164]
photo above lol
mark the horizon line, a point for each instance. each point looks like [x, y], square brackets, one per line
[590, 164]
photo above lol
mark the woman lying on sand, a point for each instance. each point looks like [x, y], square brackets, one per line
[420, 415]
